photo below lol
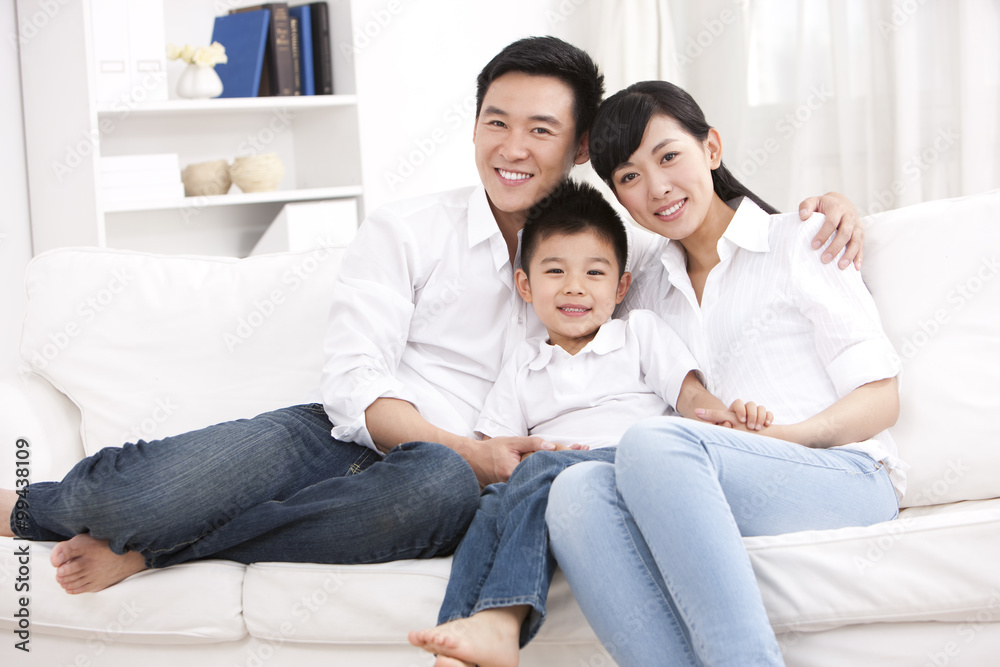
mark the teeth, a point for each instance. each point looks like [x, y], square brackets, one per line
[513, 175]
[673, 209]
[575, 310]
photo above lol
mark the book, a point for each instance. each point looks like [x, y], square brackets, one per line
[322, 57]
[129, 50]
[305, 225]
[245, 36]
[143, 162]
[296, 56]
[304, 17]
[278, 74]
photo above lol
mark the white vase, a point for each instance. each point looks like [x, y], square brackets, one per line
[199, 82]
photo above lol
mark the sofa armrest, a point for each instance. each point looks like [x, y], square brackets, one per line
[36, 411]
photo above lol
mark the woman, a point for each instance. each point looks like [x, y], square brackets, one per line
[651, 544]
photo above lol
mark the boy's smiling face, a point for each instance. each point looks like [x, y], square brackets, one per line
[573, 284]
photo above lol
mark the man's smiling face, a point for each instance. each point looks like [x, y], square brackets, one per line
[525, 138]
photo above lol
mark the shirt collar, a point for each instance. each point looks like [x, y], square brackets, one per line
[482, 224]
[610, 337]
[749, 229]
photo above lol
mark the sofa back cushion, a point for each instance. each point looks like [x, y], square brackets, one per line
[934, 271]
[151, 345]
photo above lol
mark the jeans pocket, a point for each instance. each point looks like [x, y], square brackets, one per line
[362, 463]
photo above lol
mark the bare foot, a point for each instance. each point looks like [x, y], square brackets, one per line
[86, 565]
[487, 639]
[8, 499]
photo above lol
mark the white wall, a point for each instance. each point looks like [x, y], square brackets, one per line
[15, 231]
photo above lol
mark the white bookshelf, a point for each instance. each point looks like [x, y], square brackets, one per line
[316, 138]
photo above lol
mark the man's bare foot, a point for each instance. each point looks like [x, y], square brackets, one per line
[487, 639]
[8, 499]
[86, 565]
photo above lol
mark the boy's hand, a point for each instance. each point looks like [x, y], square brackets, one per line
[740, 415]
[561, 448]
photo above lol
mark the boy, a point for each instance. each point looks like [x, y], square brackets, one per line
[584, 385]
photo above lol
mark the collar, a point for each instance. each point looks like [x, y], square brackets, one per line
[749, 229]
[482, 224]
[610, 337]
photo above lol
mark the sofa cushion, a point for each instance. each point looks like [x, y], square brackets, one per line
[934, 271]
[898, 571]
[149, 345]
[191, 603]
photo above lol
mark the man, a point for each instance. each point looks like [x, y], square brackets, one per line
[425, 310]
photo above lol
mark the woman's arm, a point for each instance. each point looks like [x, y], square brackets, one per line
[858, 416]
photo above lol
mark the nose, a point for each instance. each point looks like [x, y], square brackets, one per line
[573, 285]
[659, 186]
[514, 147]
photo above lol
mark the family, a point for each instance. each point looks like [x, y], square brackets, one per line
[515, 376]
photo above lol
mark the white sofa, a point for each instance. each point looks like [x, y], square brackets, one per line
[118, 345]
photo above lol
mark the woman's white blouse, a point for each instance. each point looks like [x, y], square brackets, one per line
[775, 325]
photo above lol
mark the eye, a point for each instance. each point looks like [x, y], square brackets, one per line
[627, 177]
[495, 123]
[542, 130]
[553, 270]
[668, 157]
[595, 272]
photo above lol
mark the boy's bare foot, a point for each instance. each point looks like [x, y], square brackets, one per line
[487, 639]
[86, 565]
[8, 499]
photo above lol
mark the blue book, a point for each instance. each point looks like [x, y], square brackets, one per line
[244, 35]
[301, 13]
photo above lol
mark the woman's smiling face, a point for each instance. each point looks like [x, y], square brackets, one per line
[666, 184]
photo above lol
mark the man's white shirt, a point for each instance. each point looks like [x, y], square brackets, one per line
[424, 310]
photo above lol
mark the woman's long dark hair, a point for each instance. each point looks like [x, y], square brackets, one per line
[621, 121]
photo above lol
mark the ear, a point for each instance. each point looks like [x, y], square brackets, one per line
[523, 285]
[583, 149]
[623, 284]
[713, 145]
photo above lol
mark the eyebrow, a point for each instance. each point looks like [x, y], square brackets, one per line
[603, 260]
[543, 118]
[655, 150]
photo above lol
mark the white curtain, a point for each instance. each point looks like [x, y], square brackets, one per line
[891, 102]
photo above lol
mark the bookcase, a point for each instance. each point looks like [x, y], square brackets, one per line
[67, 131]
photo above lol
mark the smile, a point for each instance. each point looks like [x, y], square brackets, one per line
[671, 212]
[513, 175]
[574, 311]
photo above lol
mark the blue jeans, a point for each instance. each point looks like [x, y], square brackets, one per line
[504, 558]
[277, 487]
[652, 545]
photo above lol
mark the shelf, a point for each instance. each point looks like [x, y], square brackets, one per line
[275, 196]
[226, 104]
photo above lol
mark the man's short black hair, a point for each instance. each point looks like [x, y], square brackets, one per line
[550, 56]
[574, 208]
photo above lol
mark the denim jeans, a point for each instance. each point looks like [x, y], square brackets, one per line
[504, 558]
[652, 545]
[277, 487]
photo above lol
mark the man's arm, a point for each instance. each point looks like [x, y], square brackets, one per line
[392, 421]
[841, 217]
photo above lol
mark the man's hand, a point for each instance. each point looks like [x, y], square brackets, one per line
[842, 217]
[494, 460]
[741, 416]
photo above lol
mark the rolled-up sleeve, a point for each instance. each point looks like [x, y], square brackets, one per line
[368, 325]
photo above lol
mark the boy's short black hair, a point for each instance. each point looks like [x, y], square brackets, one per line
[549, 56]
[573, 208]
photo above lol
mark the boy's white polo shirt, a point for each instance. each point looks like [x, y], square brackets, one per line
[631, 370]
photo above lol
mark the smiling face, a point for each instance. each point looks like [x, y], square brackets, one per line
[525, 138]
[574, 286]
[666, 184]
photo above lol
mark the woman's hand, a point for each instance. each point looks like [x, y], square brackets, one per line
[842, 217]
